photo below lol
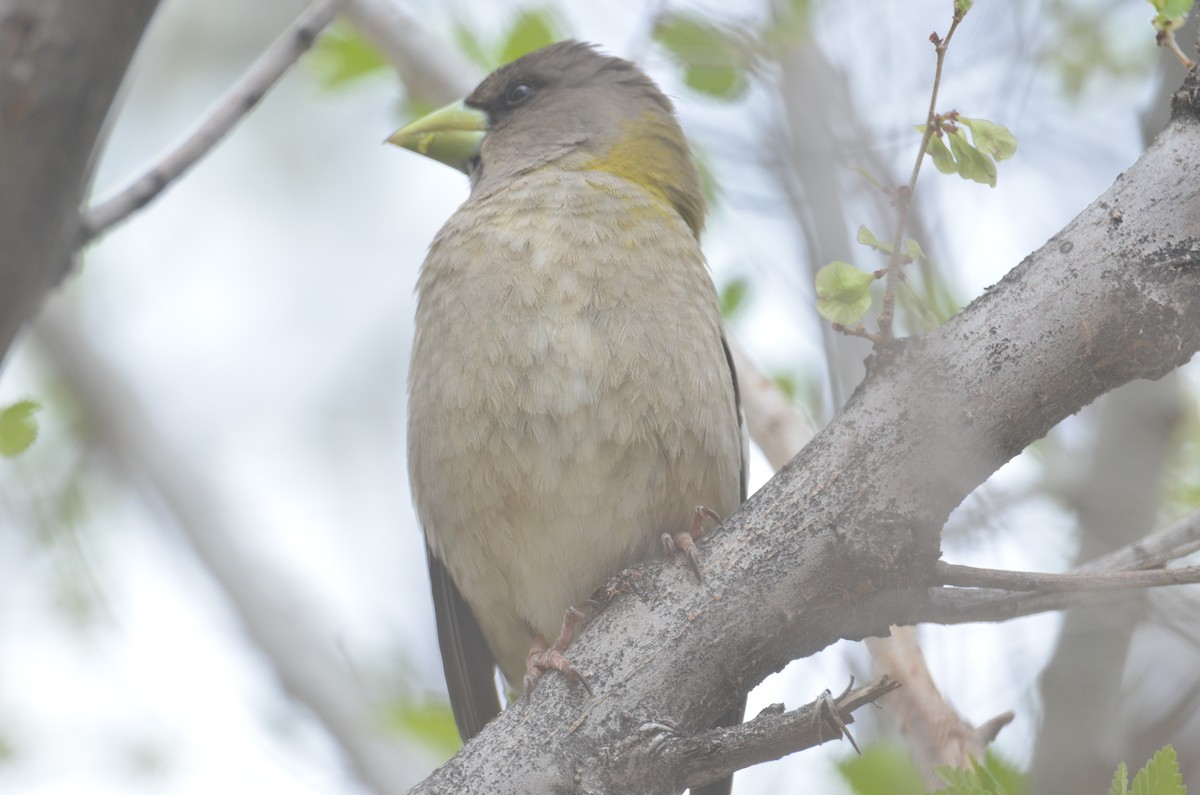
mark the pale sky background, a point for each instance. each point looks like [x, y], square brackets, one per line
[262, 309]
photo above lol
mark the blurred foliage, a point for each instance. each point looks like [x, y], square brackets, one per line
[531, 29]
[18, 427]
[733, 297]
[342, 56]
[1182, 484]
[885, 769]
[1083, 46]
[714, 58]
[430, 721]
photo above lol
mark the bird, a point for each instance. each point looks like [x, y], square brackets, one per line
[573, 404]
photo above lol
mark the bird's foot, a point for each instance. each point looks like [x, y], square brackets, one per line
[542, 659]
[685, 541]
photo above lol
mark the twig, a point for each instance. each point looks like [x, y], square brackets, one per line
[904, 195]
[254, 85]
[716, 753]
[1155, 550]
[1042, 582]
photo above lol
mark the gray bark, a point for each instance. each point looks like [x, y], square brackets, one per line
[61, 62]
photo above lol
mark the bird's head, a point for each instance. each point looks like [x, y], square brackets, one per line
[565, 106]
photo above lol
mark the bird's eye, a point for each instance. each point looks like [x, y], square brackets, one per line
[518, 93]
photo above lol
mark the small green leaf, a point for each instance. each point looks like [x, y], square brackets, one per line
[720, 81]
[532, 30]
[1120, 782]
[843, 293]
[867, 238]
[943, 160]
[18, 428]
[991, 138]
[733, 297]
[972, 164]
[1160, 776]
[913, 249]
[961, 7]
[342, 55]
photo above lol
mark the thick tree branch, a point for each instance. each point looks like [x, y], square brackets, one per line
[824, 551]
[232, 108]
[60, 66]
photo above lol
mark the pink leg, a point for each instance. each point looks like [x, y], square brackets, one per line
[685, 540]
[541, 659]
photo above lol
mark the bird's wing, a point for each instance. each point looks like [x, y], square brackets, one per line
[743, 434]
[466, 659]
[734, 715]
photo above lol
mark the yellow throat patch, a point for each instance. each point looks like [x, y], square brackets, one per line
[653, 154]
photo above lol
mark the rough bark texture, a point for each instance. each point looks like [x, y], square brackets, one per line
[841, 543]
[61, 62]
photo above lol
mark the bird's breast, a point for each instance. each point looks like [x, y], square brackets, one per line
[569, 399]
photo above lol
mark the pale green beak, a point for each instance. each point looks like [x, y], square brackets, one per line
[451, 135]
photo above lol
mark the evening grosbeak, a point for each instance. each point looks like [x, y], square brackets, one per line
[571, 397]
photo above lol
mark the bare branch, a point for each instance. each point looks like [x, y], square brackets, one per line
[254, 85]
[1041, 582]
[429, 71]
[714, 754]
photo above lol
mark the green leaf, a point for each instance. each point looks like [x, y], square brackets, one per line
[990, 138]
[961, 782]
[867, 238]
[532, 30]
[713, 63]
[843, 293]
[733, 297]
[342, 55]
[1120, 782]
[943, 160]
[1160, 776]
[721, 81]
[972, 164]
[1171, 13]
[882, 769]
[961, 7]
[18, 428]
[913, 249]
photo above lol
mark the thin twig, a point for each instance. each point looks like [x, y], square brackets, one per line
[254, 85]
[1042, 582]
[904, 195]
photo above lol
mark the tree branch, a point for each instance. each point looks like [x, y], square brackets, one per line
[714, 754]
[1042, 582]
[60, 68]
[253, 86]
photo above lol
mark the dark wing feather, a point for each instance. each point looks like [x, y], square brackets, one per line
[735, 714]
[466, 659]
